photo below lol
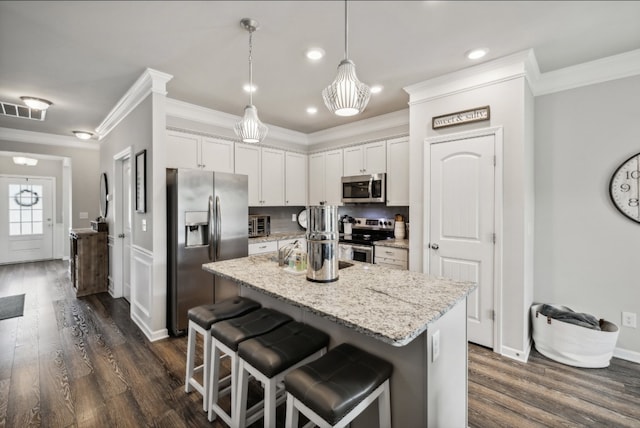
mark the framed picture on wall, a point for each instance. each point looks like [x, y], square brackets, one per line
[141, 182]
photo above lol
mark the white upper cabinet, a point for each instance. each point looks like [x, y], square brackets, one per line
[272, 173]
[325, 178]
[398, 171]
[265, 169]
[365, 159]
[295, 188]
[193, 151]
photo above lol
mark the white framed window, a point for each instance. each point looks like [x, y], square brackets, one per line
[25, 209]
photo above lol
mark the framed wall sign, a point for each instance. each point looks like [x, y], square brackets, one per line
[141, 182]
[461, 117]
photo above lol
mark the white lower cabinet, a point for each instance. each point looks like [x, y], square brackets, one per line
[393, 258]
[263, 247]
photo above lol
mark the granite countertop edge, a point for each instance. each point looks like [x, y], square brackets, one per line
[396, 335]
[393, 243]
[277, 237]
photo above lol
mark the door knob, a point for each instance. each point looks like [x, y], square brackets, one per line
[435, 246]
[121, 235]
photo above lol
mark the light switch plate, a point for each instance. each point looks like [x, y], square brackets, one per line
[293, 217]
[144, 224]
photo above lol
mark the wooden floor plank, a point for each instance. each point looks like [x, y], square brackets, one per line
[84, 363]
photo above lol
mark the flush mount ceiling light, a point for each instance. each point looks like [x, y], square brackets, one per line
[20, 160]
[312, 110]
[477, 53]
[346, 96]
[36, 103]
[83, 135]
[376, 89]
[250, 129]
[249, 88]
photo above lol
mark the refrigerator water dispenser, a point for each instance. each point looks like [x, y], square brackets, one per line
[196, 225]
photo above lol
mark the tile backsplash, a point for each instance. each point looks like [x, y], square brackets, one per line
[281, 216]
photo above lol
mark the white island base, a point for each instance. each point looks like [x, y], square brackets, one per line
[428, 388]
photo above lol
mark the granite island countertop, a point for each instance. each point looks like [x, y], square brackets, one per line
[389, 305]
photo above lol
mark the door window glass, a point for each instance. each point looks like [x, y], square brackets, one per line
[25, 209]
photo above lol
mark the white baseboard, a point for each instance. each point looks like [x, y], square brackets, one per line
[516, 354]
[151, 335]
[625, 354]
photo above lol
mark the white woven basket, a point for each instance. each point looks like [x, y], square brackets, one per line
[572, 344]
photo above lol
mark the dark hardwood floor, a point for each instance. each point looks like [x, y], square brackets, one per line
[83, 362]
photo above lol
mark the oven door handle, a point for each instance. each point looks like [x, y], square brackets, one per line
[362, 247]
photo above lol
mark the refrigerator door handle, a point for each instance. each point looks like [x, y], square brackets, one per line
[218, 227]
[211, 234]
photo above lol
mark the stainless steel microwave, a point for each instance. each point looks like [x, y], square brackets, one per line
[364, 188]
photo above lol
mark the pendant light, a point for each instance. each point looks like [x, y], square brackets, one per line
[346, 96]
[250, 129]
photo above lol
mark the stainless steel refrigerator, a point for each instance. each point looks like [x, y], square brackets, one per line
[207, 220]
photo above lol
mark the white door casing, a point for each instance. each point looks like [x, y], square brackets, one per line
[462, 224]
[126, 228]
[27, 216]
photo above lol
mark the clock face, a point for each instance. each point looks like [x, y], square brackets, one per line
[625, 188]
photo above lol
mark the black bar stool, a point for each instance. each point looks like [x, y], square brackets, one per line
[226, 337]
[334, 389]
[269, 358]
[200, 320]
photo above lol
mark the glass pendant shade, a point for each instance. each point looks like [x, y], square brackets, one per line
[250, 129]
[346, 96]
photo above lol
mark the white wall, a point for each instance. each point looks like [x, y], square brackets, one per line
[587, 254]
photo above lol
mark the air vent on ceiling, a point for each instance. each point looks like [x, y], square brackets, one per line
[24, 112]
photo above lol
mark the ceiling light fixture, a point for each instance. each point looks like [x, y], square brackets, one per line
[36, 103]
[83, 135]
[477, 53]
[376, 89]
[20, 160]
[312, 110]
[315, 54]
[249, 88]
[250, 129]
[346, 96]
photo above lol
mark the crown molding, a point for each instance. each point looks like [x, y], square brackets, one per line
[20, 136]
[354, 129]
[151, 81]
[520, 64]
[188, 111]
[589, 73]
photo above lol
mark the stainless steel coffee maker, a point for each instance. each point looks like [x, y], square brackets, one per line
[322, 243]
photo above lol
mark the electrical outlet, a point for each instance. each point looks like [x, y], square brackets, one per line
[144, 224]
[293, 217]
[435, 346]
[629, 319]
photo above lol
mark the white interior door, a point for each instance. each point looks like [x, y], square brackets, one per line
[462, 225]
[126, 216]
[26, 219]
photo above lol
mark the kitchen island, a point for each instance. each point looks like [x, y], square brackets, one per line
[392, 314]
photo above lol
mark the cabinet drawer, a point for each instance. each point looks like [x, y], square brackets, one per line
[391, 264]
[392, 253]
[263, 247]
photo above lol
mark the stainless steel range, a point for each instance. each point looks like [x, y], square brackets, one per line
[364, 232]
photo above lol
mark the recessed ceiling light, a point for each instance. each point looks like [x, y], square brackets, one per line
[312, 110]
[248, 88]
[314, 54]
[36, 103]
[477, 53]
[376, 89]
[83, 135]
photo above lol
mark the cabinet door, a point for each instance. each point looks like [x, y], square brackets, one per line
[398, 172]
[182, 150]
[333, 177]
[217, 155]
[248, 162]
[316, 178]
[295, 191]
[353, 161]
[374, 157]
[272, 174]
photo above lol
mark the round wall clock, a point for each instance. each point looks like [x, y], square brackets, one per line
[624, 188]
